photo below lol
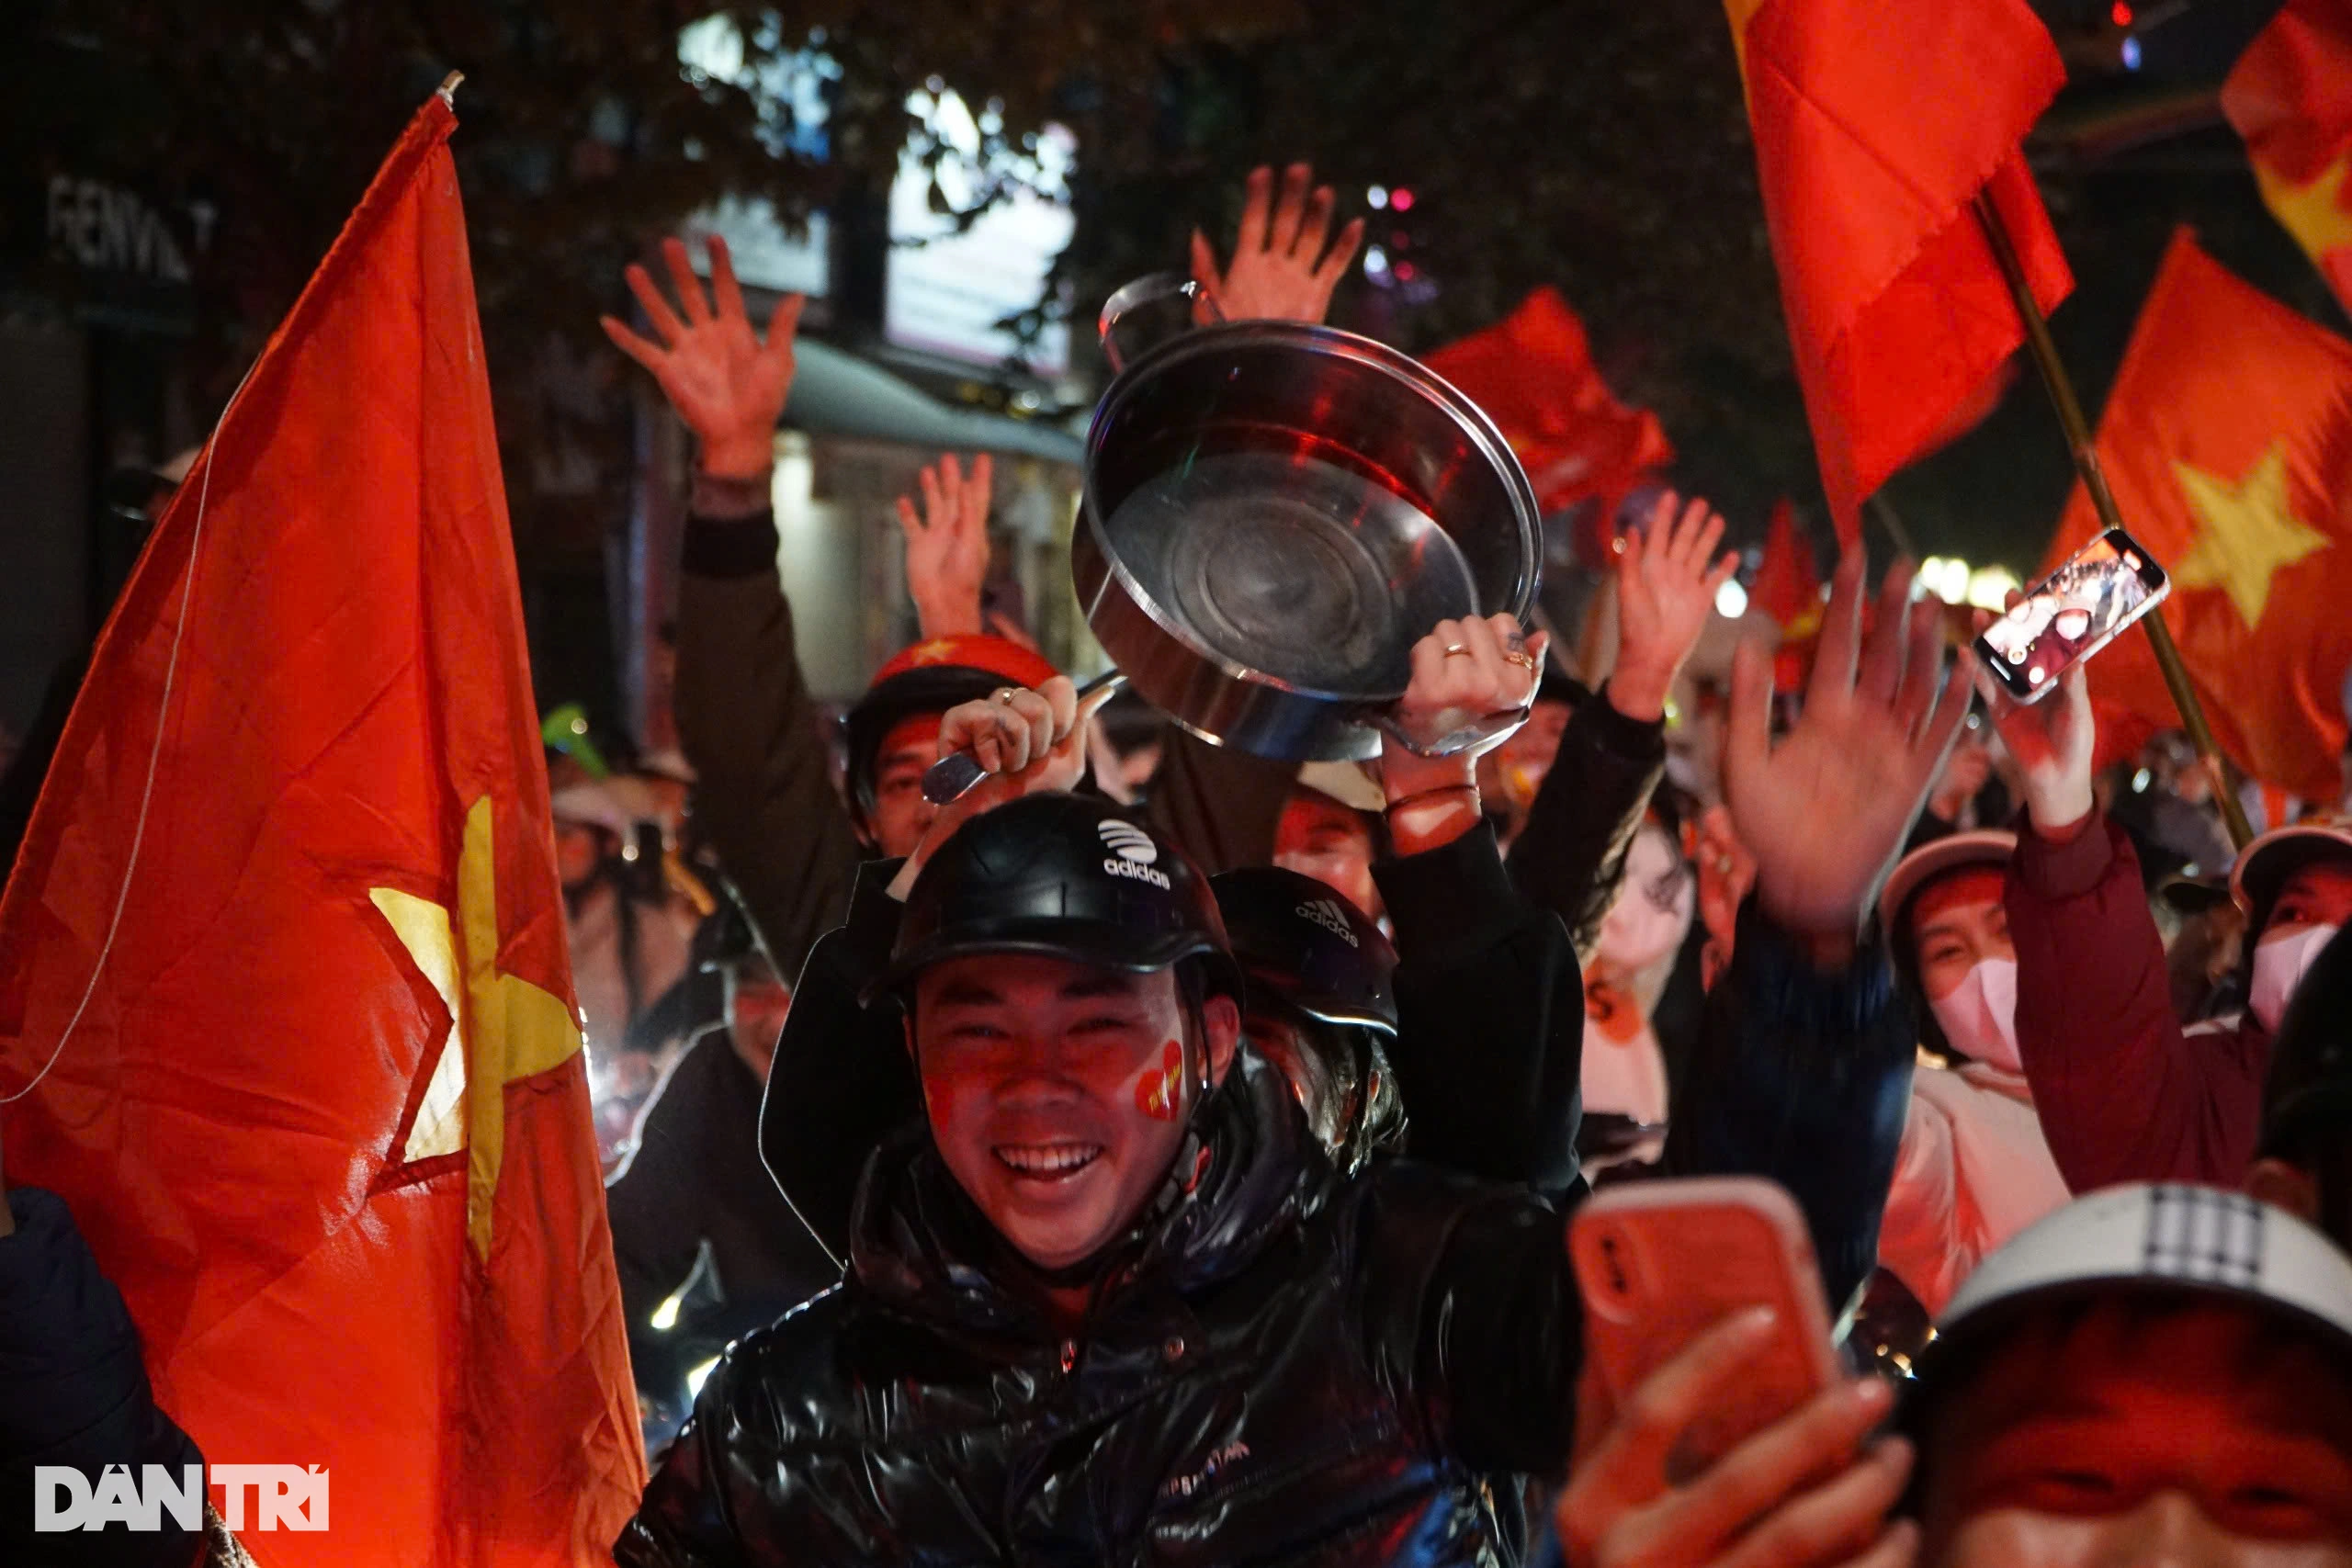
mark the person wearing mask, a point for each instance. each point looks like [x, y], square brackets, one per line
[1975, 1168]
[1111, 1295]
[2153, 1374]
[2123, 1091]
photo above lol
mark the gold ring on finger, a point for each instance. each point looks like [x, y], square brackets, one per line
[1004, 694]
[1521, 658]
[1458, 650]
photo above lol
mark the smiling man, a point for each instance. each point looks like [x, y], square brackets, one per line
[1111, 1302]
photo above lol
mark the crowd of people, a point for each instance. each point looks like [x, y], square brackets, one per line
[1160, 1155]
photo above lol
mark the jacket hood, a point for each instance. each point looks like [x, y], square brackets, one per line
[918, 1243]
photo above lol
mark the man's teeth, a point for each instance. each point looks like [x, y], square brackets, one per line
[1048, 1159]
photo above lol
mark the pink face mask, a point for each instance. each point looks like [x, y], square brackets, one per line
[2278, 967]
[1979, 1016]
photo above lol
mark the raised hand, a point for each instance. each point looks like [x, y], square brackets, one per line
[1807, 1491]
[2052, 741]
[1026, 740]
[1281, 269]
[726, 382]
[1825, 812]
[947, 546]
[1667, 576]
[1462, 671]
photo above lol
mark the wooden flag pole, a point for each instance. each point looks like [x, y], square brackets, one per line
[2078, 439]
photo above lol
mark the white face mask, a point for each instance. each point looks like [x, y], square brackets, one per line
[2278, 965]
[1980, 1016]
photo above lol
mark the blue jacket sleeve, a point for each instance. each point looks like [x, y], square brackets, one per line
[1804, 1077]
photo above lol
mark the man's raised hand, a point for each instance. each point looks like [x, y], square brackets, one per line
[1667, 575]
[1281, 268]
[947, 546]
[726, 382]
[1825, 812]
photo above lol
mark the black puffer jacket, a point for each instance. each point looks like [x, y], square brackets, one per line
[1281, 1367]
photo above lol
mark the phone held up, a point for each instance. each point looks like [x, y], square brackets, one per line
[2072, 614]
[1658, 1263]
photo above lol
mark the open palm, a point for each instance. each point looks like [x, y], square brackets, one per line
[1825, 811]
[1281, 269]
[726, 382]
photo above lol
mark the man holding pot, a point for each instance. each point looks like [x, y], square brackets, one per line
[1111, 1302]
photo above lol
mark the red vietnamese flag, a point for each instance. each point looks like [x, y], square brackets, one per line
[1788, 589]
[2290, 97]
[1533, 374]
[1787, 583]
[2227, 439]
[317, 1097]
[1876, 126]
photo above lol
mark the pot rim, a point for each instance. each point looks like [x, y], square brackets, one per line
[1399, 366]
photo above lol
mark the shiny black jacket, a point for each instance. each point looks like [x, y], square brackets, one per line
[1280, 1367]
[1489, 1004]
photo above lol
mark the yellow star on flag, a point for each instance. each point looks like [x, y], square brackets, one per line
[2314, 212]
[938, 650]
[2246, 532]
[509, 1028]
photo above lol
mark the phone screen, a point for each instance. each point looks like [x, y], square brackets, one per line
[2072, 614]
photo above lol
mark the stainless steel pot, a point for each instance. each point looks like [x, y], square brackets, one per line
[1273, 515]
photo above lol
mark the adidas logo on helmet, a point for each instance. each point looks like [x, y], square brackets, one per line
[1134, 851]
[1333, 919]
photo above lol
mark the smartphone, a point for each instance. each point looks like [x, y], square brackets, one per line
[1659, 1263]
[2072, 614]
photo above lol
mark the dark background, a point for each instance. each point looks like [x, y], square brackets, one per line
[1598, 145]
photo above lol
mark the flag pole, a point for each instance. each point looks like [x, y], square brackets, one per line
[2078, 439]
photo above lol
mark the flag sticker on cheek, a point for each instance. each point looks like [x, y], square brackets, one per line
[1162, 1089]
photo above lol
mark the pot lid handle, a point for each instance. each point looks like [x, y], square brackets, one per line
[1150, 289]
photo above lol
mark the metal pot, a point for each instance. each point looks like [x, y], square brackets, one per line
[1273, 513]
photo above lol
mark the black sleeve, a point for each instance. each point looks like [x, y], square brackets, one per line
[1219, 805]
[682, 1521]
[754, 732]
[73, 1392]
[1570, 857]
[651, 1201]
[1490, 1007]
[842, 1080]
[1804, 1077]
[1471, 1304]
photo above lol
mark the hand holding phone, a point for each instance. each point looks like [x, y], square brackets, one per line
[1809, 1490]
[2071, 615]
[1661, 1263]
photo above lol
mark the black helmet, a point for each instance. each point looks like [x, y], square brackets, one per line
[1064, 875]
[1301, 945]
[2309, 1088]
